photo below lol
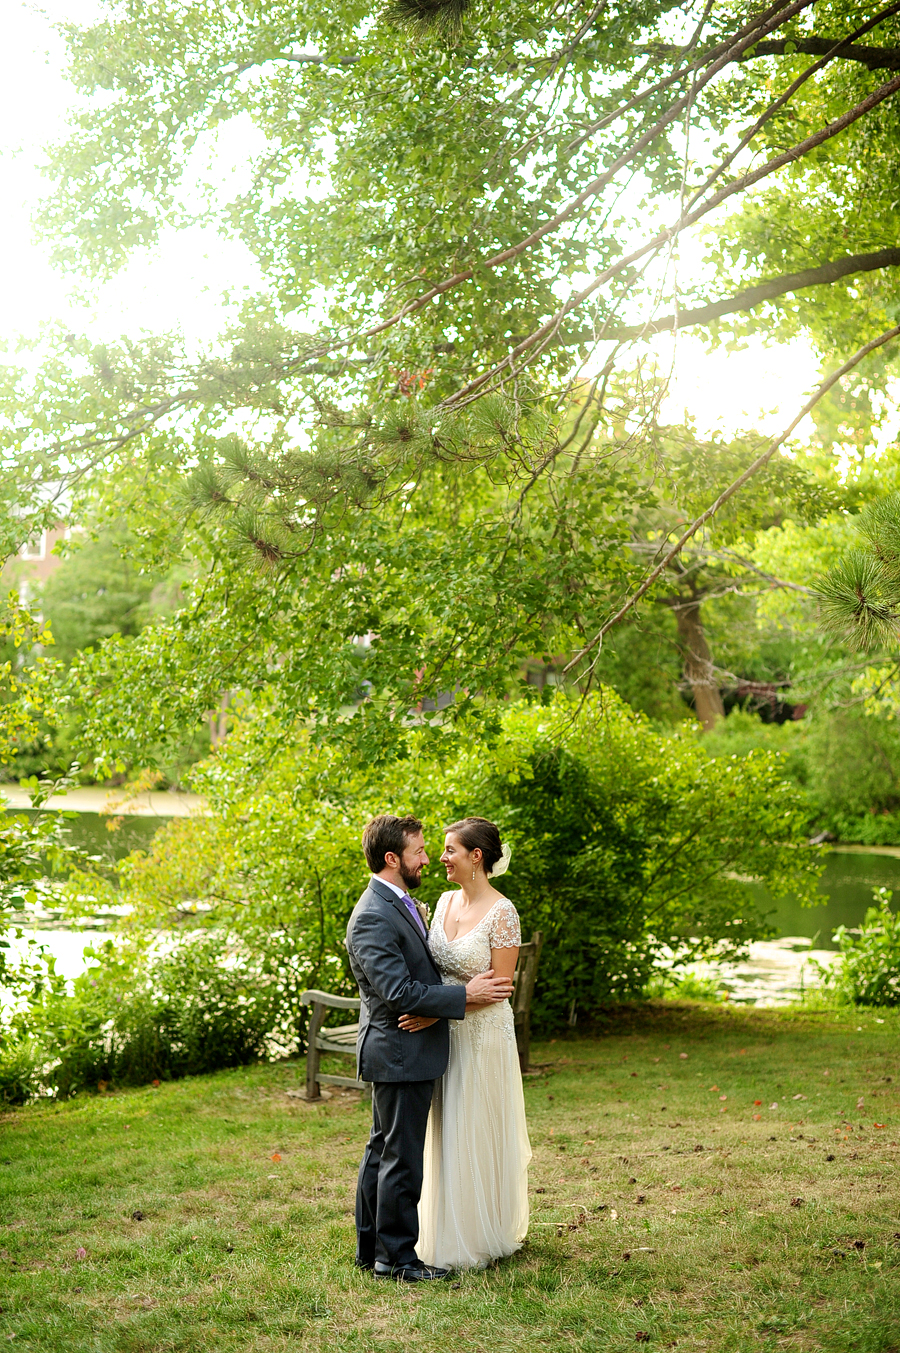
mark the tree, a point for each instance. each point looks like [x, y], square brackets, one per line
[472, 229]
[100, 590]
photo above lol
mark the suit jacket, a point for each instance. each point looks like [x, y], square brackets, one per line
[397, 976]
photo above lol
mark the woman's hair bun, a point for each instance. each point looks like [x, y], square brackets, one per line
[477, 833]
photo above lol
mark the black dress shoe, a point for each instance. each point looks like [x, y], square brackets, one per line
[411, 1273]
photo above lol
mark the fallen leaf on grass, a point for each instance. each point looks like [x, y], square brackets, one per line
[798, 1096]
[683, 1056]
[879, 1125]
[757, 1102]
[275, 1156]
[642, 1337]
[81, 1252]
[796, 1202]
[774, 1106]
[757, 1117]
[860, 1103]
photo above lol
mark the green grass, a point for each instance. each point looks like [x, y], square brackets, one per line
[636, 1230]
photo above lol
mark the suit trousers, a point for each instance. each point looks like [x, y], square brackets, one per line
[390, 1176]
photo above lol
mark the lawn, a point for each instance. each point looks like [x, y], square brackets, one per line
[669, 1206]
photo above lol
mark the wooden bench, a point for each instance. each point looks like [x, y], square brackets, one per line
[341, 1040]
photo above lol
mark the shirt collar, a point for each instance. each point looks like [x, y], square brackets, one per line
[393, 886]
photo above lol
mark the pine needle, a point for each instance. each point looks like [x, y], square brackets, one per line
[857, 601]
[427, 18]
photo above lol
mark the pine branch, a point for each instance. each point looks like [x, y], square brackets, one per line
[855, 604]
[428, 18]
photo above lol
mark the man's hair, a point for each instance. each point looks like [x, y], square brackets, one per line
[387, 833]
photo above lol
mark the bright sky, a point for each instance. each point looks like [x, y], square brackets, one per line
[179, 286]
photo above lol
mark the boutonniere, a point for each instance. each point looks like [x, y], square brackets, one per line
[423, 911]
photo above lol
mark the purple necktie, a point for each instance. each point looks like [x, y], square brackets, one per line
[414, 913]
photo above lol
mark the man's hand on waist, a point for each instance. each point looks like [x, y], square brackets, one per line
[486, 989]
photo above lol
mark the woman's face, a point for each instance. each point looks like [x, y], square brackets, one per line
[457, 860]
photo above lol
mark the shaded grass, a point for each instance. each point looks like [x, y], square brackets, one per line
[659, 1208]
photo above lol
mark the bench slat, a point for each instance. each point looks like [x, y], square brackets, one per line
[334, 1002]
[328, 1042]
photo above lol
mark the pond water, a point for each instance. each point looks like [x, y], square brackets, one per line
[112, 838]
[846, 887]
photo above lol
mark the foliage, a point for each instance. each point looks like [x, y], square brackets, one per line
[36, 854]
[854, 775]
[21, 1065]
[868, 971]
[684, 987]
[24, 698]
[439, 206]
[101, 589]
[626, 844]
[201, 1005]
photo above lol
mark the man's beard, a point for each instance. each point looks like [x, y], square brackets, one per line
[412, 880]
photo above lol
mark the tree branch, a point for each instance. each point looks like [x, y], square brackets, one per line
[546, 333]
[874, 58]
[756, 295]
[733, 487]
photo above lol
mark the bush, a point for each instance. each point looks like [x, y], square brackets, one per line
[629, 846]
[21, 1062]
[689, 987]
[868, 972]
[202, 1006]
[854, 775]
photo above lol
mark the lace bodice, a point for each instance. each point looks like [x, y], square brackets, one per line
[465, 957]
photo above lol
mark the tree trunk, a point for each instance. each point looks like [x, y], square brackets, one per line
[698, 666]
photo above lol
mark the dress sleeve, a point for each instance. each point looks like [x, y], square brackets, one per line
[506, 933]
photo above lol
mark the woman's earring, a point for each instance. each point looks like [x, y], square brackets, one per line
[473, 873]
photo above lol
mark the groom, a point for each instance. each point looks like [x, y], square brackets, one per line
[391, 961]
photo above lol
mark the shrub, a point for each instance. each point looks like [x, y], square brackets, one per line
[854, 775]
[688, 987]
[868, 972]
[204, 1005]
[21, 1062]
[629, 846]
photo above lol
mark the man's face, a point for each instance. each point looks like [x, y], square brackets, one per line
[413, 861]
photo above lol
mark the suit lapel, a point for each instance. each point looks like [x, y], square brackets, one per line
[389, 895]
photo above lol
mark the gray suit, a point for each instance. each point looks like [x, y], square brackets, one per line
[392, 963]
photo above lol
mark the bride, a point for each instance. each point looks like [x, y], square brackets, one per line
[474, 1205]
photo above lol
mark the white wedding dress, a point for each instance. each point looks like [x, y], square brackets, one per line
[474, 1205]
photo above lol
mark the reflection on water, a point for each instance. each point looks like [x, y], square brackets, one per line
[846, 887]
[110, 838]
